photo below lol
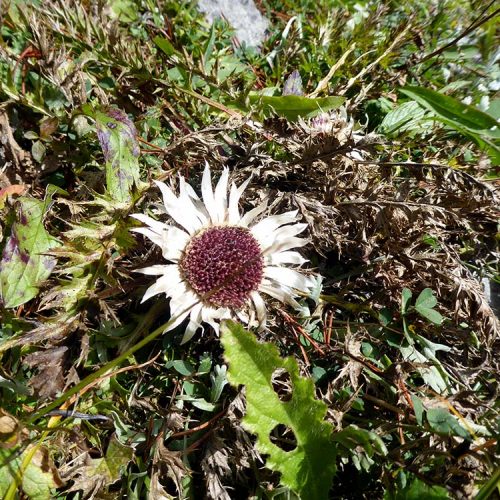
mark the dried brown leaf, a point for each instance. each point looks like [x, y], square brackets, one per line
[167, 464]
[50, 331]
[49, 380]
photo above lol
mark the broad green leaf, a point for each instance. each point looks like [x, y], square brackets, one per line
[385, 316]
[494, 109]
[426, 299]
[471, 122]
[432, 315]
[38, 478]
[443, 422]
[403, 118]
[318, 372]
[424, 306]
[452, 109]
[308, 469]
[203, 404]
[429, 348]
[205, 364]
[183, 367]
[227, 66]
[24, 266]
[117, 136]
[293, 107]
[117, 457]
[460, 53]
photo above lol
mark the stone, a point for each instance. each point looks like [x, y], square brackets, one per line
[249, 24]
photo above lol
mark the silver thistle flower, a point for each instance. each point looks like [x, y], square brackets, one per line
[220, 261]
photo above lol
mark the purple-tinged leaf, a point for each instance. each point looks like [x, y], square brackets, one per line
[24, 266]
[118, 137]
[293, 84]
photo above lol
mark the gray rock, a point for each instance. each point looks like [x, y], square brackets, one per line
[492, 293]
[250, 25]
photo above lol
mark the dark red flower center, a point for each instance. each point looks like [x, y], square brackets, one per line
[223, 265]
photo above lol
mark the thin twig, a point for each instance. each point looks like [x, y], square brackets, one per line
[154, 146]
[200, 427]
[475, 24]
[384, 404]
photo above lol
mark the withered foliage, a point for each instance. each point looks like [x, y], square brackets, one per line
[50, 377]
[381, 226]
[391, 225]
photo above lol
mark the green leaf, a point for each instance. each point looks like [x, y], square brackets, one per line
[494, 109]
[426, 299]
[203, 404]
[68, 293]
[417, 490]
[478, 126]
[205, 364]
[488, 489]
[385, 316]
[443, 422]
[352, 436]
[308, 469]
[124, 10]
[164, 45]
[218, 379]
[403, 118]
[424, 305]
[432, 315]
[452, 109]
[318, 372]
[209, 48]
[118, 138]
[430, 348]
[292, 107]
[405, 300]
[38, 150]
[418, 407]
[117, 457]
[38, 478]
[24, 266]
[183, 367]
[434, 375]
